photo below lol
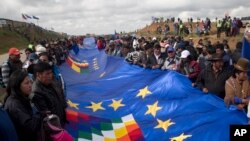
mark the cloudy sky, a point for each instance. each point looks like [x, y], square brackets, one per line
[78, 17]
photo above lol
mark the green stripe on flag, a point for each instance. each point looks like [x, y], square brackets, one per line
[96, 131]
[85, 70]
[116, 120]
[106, 126]
[85, 135]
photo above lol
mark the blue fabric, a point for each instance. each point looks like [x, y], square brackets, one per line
[193, 112]
[75, 48]
[246, 51]
[7, 129]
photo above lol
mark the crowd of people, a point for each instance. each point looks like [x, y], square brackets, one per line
[212, 68]
[35, 88]
[230, 26]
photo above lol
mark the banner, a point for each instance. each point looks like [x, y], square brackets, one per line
[112, 100]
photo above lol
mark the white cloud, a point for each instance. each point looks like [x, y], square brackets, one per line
[105, 16]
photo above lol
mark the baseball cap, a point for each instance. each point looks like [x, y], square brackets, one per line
[170, 49]
[185, 54]
[40, 49]
[32, 56]
[14, 51]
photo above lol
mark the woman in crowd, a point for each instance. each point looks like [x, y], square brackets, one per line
[25, 118]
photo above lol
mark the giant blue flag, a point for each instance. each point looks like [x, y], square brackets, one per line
[110, 100]
[246, 45]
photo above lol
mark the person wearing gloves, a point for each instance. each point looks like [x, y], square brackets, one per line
[237, 87]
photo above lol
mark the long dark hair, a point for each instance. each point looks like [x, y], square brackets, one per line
[15, 81]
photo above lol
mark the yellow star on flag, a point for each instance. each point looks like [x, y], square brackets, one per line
[181, 137]
[144, 92]
[73, 105]
[116, 104]
[152, 109]
[96, 106]
[164, 124]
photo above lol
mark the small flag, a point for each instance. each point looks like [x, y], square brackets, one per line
[24, 17]
[27, 16]
[34, 17]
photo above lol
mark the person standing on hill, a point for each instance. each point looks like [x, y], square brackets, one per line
[12, 64]
[219, 28]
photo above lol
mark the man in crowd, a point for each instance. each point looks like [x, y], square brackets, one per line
[212, 79]
[189, 67]
[171, 62]
[12, 64]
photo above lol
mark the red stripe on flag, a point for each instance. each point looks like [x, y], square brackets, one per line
[69, 61]
[136, 135]
[124, 138]
[84, 116]
[72, 115]
[131, 128]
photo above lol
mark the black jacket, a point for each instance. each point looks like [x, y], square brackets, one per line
[24, 118]
[50, 98]
[214, 84]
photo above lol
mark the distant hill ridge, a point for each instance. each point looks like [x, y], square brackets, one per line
[20, 34]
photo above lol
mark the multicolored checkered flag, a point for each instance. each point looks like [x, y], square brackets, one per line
[90, 128]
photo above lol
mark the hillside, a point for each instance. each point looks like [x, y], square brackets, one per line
[20, 34]
[150, 30]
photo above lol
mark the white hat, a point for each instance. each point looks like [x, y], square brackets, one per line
[154, 38]
[40, 49]
[185, 54]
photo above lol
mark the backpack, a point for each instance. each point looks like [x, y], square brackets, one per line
[52, 130]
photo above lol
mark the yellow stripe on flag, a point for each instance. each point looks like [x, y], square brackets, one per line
[75, 68]
[121, 132]
[109, 139]
[130, 123]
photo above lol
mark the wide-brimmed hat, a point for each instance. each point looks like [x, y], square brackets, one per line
[242, 64]
[215, 57]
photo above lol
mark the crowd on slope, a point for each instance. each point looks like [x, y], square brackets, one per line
[229, 25]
